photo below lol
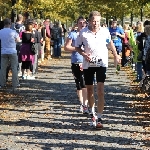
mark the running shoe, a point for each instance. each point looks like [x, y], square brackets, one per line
[19, 74]
[99, 123]
[23, 77]
[93, 120]
[85, 110]
[81, 108]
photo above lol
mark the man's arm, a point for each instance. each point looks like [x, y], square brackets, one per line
[68, 46]
[121, 33]
[81, 52]
[117, 58]
[112, 47]
[17, 38]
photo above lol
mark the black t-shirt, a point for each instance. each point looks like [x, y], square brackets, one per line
[141, 38]
[26, 37]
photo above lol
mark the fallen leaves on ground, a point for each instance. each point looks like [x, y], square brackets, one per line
[141, 104]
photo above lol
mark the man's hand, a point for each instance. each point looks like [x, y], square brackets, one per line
[117, 60]
[87, 57]
[117, 33]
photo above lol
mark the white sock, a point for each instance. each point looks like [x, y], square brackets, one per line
[92, 110]
[99, 115]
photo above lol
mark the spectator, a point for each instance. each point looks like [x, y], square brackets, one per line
[63, 34]
[43, 34]
[138, 52]
[26, 56]
[126, 48]
[47, 39]
[19, 27]
[57, 37]
[8, 39]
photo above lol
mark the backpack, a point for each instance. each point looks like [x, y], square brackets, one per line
[56, 32]
[18, 27]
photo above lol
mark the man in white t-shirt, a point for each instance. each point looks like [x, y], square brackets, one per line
[94, 38]
[8, 39]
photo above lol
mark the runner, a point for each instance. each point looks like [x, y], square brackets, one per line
[117, 34]
[94, 39]
[76, 61]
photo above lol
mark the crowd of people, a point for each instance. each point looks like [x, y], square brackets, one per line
[24, 44]
[135, 47]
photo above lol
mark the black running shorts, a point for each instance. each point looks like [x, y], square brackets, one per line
[89, 75]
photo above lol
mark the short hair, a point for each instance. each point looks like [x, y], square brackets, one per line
[94, 13]
[114, 20]
[40, 23]
[28, 21]
[47, 20]
[80, 17]
[56, 23]
[29, 27]
[19, 17]
[147, 22]
[7, 22]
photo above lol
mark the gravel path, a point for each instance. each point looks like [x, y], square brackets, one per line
[44, 115]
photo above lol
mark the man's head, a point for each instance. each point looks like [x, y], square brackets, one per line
[47, 22]
[19, 17]
[7, 22]
[114, 23]
[81, 22]
[94, 20]
[56, 24]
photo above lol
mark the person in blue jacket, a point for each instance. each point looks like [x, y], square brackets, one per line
[117, 34]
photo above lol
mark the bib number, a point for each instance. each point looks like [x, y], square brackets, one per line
[114, 37]
[95, 62]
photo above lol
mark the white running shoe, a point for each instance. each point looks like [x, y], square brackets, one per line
[81, 109]
[93, 120]
[19, 74]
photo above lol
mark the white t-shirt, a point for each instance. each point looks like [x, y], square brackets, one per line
[8, 44]
[95, 46]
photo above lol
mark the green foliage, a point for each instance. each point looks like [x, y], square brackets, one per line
[70, 9]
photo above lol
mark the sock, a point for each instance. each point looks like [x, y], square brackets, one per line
[92, 110]
[99, 115]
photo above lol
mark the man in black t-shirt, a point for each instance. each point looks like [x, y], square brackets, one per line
[19, 27]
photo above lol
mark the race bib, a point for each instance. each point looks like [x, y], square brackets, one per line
[114, 37]
[95, 62]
